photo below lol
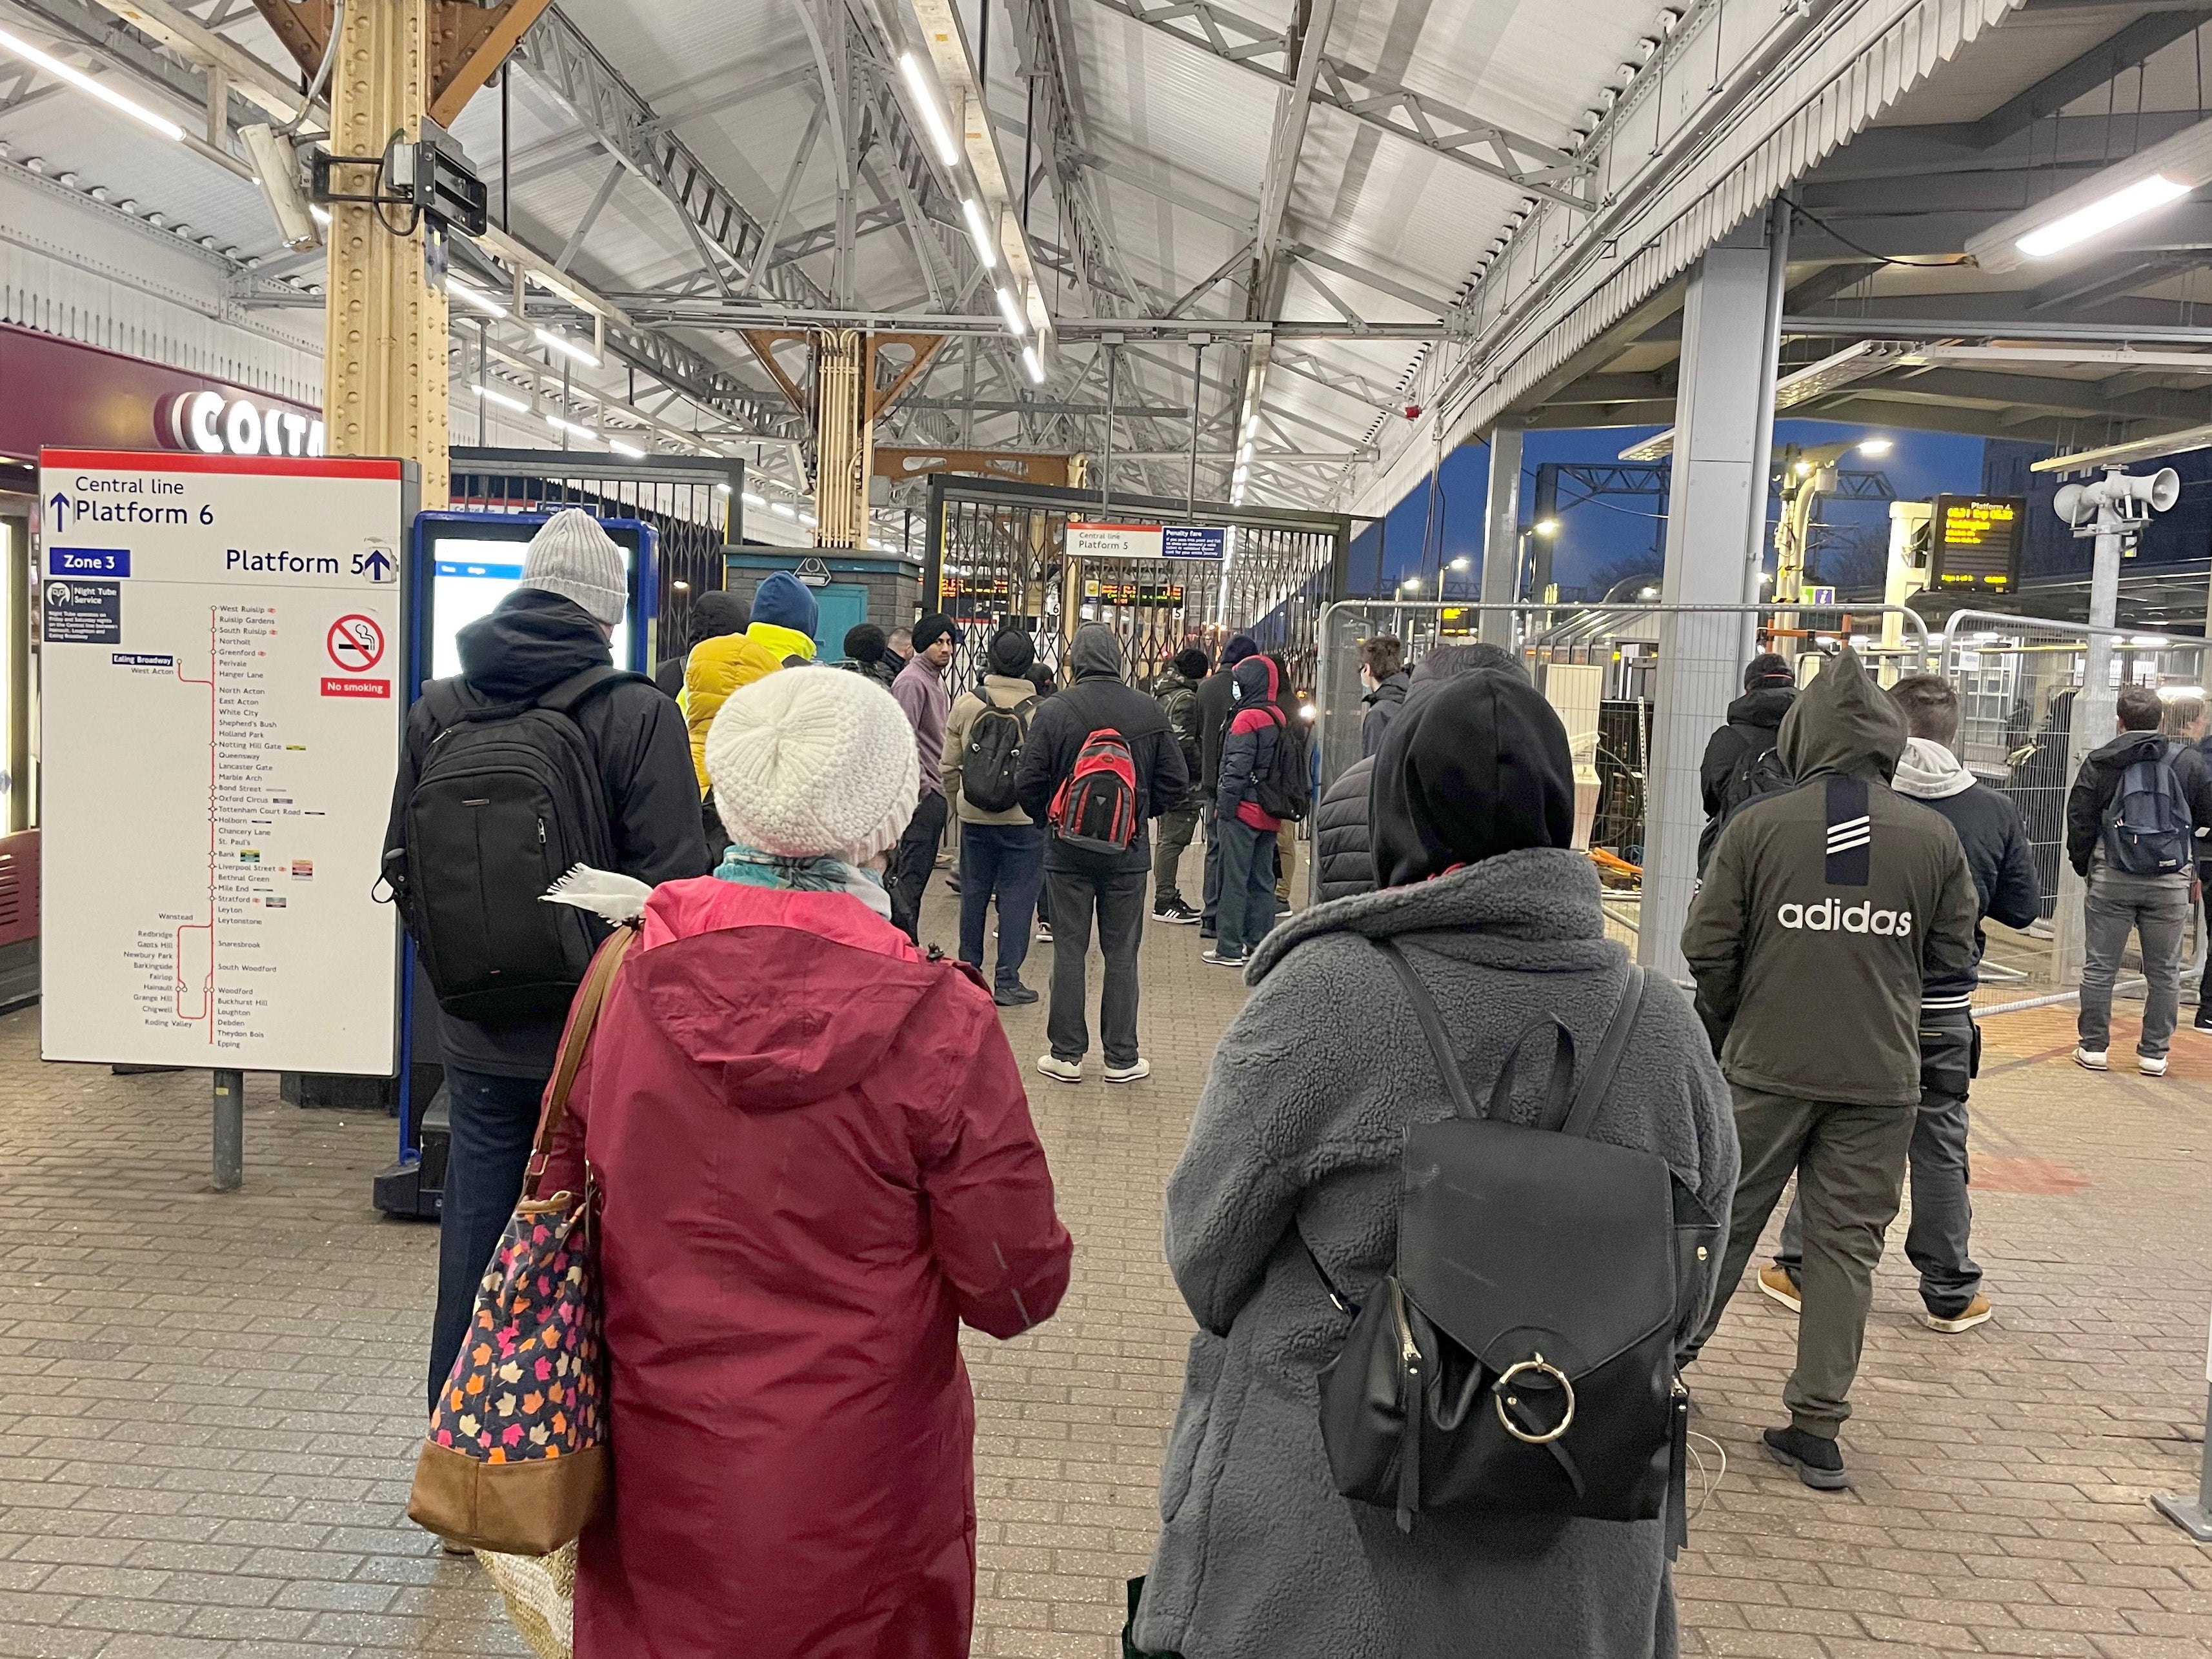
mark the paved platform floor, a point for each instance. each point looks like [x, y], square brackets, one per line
[207, 1403]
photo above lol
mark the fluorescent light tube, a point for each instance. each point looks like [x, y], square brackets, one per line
[83, 83]
[474, 296]
[502, 400]
[932, 118]
[752, 499]
[1011, 312]
[568, 347]
[319, 214]
[1030, 362]
[986, 249]
[622, 448]
[783, 510]
[2117, 209]
[570, 427]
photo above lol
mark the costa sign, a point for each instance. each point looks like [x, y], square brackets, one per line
[213, 423]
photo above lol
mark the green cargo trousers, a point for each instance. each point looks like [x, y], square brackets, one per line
[1850, 1163]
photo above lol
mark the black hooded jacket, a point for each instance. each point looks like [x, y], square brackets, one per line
[1097, 699]
[2100, 775]
[530, 643]
[1825, 909]
[1343, 865]
[1753, 719]
[1217, 696]
[1383, 704]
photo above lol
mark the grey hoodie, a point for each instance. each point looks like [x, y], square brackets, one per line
[1297, 1143]
[1825, 908]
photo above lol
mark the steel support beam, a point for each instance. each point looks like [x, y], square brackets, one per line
[1493, 150]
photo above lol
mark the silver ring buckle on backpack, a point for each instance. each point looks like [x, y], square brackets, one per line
[1499, 1398]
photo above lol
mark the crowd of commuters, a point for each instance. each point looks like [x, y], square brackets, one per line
[814, 1156]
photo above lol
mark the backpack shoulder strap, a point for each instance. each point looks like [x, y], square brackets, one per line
[1592, 1094]
[569, 694]
[1501, 1091]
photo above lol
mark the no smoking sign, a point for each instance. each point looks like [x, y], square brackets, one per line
[355, 643]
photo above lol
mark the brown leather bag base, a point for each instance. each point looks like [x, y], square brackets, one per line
[517, 1509]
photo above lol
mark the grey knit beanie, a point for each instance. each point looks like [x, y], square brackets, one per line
[572, 557]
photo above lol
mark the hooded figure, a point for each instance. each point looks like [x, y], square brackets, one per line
[1082, 883]
[1825, 909]
[713, 616]
[1296, 1145]
[815, 1163]
[1001, 848]
[1215, 695]
[780, 635]
[1342, 863]
[1753, 719]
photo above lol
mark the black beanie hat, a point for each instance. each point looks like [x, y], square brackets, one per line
[1472, 767]
[1767, 670]
[1011, 653]
[864, 642]
[933, 628]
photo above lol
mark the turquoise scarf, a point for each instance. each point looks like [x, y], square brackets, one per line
[751, 867]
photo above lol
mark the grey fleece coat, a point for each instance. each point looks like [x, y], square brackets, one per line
[1299, 1132]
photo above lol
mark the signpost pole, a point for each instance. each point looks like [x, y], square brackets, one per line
[2196, 1518]
[230, 1131]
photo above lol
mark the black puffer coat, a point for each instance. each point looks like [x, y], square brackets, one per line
[1343, 865]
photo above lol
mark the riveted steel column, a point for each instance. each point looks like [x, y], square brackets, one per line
[385, 352]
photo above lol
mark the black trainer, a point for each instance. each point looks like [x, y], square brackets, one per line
[1176, 911]
[2203, 1020]
[1016, 995]
[1818, 1460]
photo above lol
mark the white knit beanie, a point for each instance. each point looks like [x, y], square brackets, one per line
[572, 557]
[807, 761]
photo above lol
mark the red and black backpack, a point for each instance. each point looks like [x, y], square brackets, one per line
[1094, 808]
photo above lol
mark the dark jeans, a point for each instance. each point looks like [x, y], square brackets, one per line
[1119, 898]
[1006, 861]
[1248, 887]
[1942, 1211]
[915, 857]
[1171, 836]
[494, 1122]
[1209, 914]
[2157, 908]
[1850, 1164]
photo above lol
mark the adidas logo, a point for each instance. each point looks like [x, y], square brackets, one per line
[1830, 917]
[1850, 833]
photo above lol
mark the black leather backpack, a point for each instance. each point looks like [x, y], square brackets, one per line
[1521, 1357]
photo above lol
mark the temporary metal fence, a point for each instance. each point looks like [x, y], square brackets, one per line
[2025, 727]
[694, 505]
[997, 557]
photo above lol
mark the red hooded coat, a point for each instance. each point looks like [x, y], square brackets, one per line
[815, 1159]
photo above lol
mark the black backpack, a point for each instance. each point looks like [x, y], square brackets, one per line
[2148, 828]
[1282, 783]
[1180, 704]
[509, 798]
[1756, 773]
[1521, 1357]
[994, 750]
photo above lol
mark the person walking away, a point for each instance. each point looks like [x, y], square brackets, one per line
[1296, 1149]
[1996, 844]
[867, 652]
[815, 1164]
[1383, 675]
[2131, 823]
[1342, 866]
[1247, 829]
[714, 615]
[1099, 753]
[1840, 894]
[1176, 693]
[919, 690]
[1001, 847]
[543, 648]
[1216, 693]
[1740, 763]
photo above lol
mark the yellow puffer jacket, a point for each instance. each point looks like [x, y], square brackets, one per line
[718, 667]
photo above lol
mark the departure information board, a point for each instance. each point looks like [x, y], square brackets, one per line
[1973, 543]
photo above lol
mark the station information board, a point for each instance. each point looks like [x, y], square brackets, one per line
[220, 710]
[1973, 543]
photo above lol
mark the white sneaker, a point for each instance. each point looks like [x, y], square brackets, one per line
[2090, 1060]
[1066, 1070]
[1139, 1069]
[2151, 1065]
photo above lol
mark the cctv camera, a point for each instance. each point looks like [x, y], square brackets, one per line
[278, 171]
